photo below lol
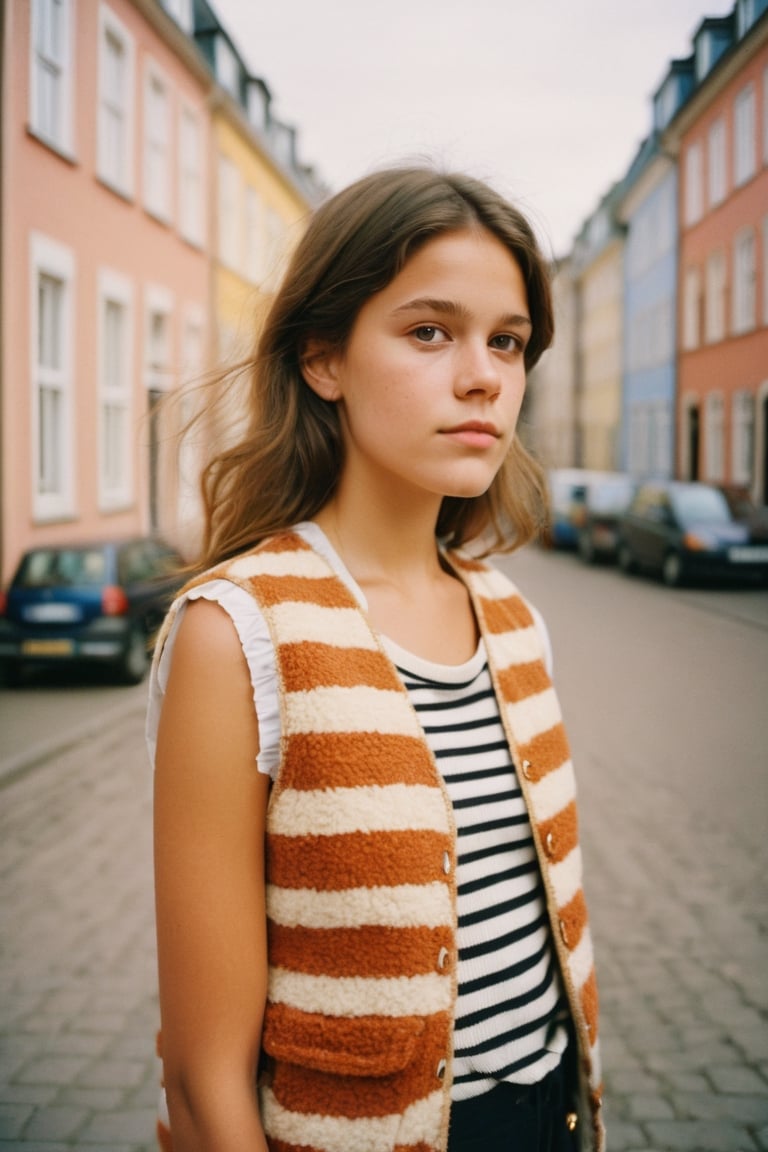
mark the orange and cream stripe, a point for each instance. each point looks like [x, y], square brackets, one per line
[361, 854]
[530, 713]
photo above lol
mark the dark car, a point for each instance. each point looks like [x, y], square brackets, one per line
[596, 513]
[98, 603]
[685, 530]
[743, 507]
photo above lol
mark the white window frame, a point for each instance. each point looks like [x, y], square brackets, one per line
[743, 417]
[191, 187]
[716, 162]
[190, 457]
[50, 259]
[744, 159]
[53, 69]
[714, 437]
[694, 179]
[158, 301]
[691, 309]
[254, 235]
[714, 308]
[114, 288]
[744, 300]
[120, 180]
[229, 213]
[157, 142]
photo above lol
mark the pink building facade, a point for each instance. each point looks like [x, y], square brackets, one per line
[105, 266]
[722, 137]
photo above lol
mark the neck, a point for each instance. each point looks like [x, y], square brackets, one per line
[385, 544]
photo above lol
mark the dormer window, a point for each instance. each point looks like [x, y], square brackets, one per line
[283, 143]
[227, 66]
[257, 104]
[181, 11]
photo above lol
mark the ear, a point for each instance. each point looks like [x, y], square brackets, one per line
[319, 367]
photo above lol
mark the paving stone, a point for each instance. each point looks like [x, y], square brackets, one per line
[112, 1074]
[13, 1117]
[630, 1082]
[737, 1079]
[744, 1109]
[622, 1136]
[649, 1106]
[53, 1123]
[52, 1070]
[109, 1128]
[700, 1136]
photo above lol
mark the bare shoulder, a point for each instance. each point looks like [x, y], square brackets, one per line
[208, 701]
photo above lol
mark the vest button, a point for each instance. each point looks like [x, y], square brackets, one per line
[528, 770]
[441, 1070]
[549, 844]
[564, 933]
[442, 958]
[447, 863]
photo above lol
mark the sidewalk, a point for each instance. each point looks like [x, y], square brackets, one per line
[78, 1008]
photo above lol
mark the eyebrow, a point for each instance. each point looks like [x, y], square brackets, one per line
[452, 308]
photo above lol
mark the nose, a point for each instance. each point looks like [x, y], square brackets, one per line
[477, 370]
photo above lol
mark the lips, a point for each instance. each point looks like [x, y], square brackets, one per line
[475, 426]
[473, 434]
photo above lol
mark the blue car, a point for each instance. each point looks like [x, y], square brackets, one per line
[96, 604]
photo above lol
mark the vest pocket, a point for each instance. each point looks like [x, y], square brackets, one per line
[343, 1046]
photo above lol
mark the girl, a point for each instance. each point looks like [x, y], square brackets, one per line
[371, 928]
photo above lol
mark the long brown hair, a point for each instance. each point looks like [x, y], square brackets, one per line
[285, 465]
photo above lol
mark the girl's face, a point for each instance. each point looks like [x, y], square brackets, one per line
[430, 384]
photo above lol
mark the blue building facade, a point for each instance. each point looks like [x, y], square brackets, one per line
[649, 212]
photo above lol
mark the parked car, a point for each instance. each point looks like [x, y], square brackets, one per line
[685, 530]
[596, 514]
[97, 603]
[743, 507]
[566, 488]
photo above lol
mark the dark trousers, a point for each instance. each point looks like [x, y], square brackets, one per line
[515, 1118]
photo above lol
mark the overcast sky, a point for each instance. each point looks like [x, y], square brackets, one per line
[546, 99]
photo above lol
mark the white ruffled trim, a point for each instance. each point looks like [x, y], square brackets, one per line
[259, 653]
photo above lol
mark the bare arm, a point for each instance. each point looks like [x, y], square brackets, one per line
[210, 806]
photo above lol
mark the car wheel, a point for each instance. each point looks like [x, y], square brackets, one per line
[672, 570]
[586, 548]
[133, 665]
[625, 560]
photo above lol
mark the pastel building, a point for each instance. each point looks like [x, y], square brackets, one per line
[148, 197]
[105, 265]
[550, 396]
[597, 261]
[260, 192]
[720, 137]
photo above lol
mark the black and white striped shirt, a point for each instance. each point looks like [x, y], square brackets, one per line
[511, 1011]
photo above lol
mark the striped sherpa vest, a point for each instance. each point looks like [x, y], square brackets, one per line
[361, 852]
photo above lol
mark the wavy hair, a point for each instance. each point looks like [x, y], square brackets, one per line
[285, 464]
